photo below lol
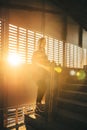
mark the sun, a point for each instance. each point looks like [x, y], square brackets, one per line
[13, 59]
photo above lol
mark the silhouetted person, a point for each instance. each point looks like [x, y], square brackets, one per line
[40, 61]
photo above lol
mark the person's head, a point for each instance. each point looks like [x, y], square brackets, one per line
[41, 43]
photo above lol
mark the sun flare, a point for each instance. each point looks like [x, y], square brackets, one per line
[14, 59]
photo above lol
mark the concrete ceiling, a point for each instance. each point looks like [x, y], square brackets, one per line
[77, 9]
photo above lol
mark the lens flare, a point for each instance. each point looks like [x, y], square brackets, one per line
[81, 75]
[72, 72]
[13, 59]
[58, 69]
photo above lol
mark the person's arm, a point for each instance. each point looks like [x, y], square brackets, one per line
[40, 59]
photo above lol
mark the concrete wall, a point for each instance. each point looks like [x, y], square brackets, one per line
[84, 38]
[32, 18]
[72, 31]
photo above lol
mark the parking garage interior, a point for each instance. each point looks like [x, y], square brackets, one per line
[64, 26]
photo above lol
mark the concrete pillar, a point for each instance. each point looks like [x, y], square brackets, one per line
[80, 36]
[64, 36]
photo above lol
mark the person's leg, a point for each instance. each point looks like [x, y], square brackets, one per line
[41, 91]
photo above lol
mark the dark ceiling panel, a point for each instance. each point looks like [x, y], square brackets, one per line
[77, 9]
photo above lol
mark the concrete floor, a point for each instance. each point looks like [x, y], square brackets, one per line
[20, 128]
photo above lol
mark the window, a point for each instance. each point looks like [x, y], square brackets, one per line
[24, 42]
[12, 46]
[50, 49]
[30, 46]
[67, 54]
[75, 58]
[71, 46]
[56, 53]
[60, 54]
